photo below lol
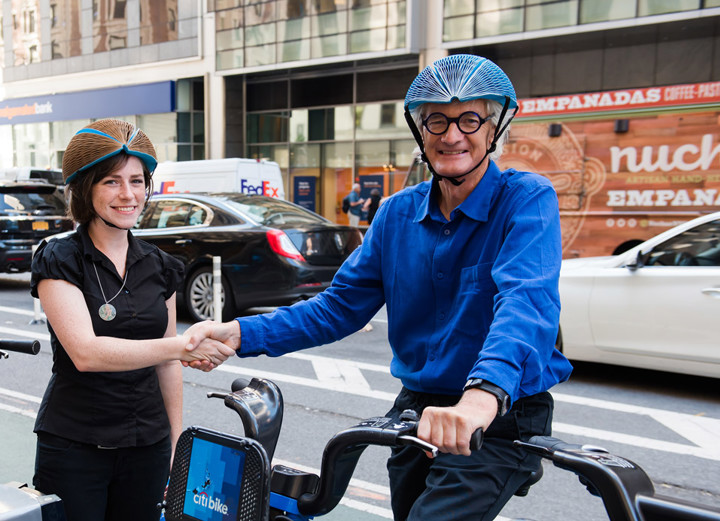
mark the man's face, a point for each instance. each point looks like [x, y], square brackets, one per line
[453, 152]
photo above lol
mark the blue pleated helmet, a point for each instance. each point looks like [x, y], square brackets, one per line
[461, 77]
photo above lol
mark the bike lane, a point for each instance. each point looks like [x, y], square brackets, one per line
[18, 457]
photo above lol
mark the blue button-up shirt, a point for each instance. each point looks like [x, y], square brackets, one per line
[472, 297]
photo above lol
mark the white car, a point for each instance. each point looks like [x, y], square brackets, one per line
[656, 306]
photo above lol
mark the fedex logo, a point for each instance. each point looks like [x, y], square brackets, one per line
[263, 188]
[168, 187]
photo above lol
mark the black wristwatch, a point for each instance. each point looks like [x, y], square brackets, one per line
[503, 398]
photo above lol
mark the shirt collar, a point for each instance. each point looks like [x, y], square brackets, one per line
[136, 249]
[476, 206]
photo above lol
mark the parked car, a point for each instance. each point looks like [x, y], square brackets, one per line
[656, 306]
[273, 252]
[29, 212]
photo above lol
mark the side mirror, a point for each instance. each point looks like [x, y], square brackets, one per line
[638, 262]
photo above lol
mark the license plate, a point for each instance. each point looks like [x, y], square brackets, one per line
[40, 225]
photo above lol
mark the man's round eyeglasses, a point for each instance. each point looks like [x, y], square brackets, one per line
[438, 123]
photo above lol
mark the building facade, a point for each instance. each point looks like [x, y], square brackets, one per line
[316, 85]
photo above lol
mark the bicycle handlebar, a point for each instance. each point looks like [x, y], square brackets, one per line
[30, 347]
[259, 404]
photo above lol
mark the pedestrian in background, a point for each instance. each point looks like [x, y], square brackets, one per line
[371, 204]
[112, 411]
[356, 203]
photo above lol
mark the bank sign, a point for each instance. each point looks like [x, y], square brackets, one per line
[149, 98]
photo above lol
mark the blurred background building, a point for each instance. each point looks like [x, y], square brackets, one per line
[316, 85]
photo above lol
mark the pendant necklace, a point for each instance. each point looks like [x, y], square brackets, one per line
[107, 311]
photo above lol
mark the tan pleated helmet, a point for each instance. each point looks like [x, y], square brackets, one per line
[104, 139]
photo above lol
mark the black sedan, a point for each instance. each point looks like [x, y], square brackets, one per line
[273, 252]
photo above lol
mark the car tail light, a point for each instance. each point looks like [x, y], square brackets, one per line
[281, 244]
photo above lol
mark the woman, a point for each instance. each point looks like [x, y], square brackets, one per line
[112, 411]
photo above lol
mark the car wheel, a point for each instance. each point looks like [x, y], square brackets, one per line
[199, 296]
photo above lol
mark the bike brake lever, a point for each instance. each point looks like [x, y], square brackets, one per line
[417, 442]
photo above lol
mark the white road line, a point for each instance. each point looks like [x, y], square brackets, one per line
[711, 453]
[18, 311]
[20, 396]
[17, 410]
[698, 430]
[22, 332]
[308, 382]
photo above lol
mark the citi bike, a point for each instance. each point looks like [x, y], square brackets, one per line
[218, 476]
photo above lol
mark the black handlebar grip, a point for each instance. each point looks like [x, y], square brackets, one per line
[30, 347]
[476, 440]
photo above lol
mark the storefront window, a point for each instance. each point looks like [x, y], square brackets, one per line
[267, 128]
[380, 120]
[162, 131]
[31, 144]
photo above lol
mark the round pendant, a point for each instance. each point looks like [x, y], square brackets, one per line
[107, 312]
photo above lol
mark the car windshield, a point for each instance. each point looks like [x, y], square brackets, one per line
[272, 212]
[31, 200]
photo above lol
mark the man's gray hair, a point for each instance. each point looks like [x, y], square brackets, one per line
[492, 107]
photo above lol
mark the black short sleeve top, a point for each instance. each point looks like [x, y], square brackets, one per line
[112, 409]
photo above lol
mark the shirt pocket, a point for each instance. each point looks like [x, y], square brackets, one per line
[475, 301]
[477, 279]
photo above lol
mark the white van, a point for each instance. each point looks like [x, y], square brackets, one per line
[247, 176]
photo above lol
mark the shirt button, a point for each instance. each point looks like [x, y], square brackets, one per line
[440, 275]
[134, 315]
[446, 231]
[441, 316]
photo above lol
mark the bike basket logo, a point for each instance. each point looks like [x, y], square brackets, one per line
[203, 499]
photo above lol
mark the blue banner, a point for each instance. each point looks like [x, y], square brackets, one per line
[304, 191]
[149, 98]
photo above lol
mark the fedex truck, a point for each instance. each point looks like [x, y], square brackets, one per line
[247, 176]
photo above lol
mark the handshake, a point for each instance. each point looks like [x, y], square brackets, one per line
[208, 344]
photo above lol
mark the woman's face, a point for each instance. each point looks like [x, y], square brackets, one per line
[119, 197]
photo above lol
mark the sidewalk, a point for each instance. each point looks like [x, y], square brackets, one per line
[18, 451]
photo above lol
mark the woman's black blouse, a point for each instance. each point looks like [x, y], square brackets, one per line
[109, 409]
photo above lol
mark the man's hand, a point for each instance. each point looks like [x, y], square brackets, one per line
[209, 332]
[450, 428]
[207, 355]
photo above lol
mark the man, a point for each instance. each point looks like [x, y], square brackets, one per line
[356, 204]
[467, 265]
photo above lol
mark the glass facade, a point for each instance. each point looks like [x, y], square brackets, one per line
[257, 33]
[470, 19]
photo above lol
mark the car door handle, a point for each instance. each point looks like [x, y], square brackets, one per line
[183, 241]
[713, 292]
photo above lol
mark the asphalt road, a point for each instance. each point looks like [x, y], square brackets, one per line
[668, 424]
